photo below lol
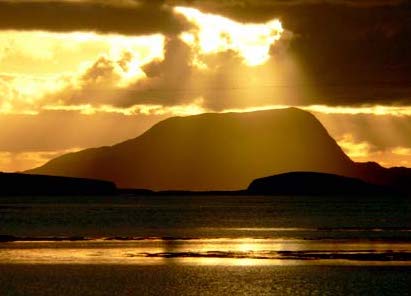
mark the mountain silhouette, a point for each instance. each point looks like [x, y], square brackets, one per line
[219, 151]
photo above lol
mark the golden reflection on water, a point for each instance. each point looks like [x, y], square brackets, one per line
[224, 251]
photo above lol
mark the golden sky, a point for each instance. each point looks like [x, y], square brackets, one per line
[66, 86]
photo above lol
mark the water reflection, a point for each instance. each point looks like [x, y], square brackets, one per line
[221, 251]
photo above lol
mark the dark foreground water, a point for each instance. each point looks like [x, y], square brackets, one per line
[198, 245]
[203, 280]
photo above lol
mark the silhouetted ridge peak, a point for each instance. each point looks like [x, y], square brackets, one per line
[220, 151]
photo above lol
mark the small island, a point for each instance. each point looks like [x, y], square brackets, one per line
[313, 183]
[15, 184]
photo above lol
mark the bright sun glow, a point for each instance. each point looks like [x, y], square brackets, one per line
[48, 52]
[42, 63]
[214, 33]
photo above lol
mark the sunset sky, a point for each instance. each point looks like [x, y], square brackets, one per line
[84, 73]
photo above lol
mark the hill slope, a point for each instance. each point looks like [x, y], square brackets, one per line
[211, 152]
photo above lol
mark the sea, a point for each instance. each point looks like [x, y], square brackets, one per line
[205, 245]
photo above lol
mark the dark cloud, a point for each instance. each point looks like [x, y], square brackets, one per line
[225, 83]
[168, 81]
[353, 52]
[350, 52]
[125, 17]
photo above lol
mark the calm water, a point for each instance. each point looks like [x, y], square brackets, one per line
[194, 245]
[207, 217]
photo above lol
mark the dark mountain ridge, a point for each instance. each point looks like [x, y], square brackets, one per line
[217, 151]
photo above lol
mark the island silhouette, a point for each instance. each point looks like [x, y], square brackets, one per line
[221, 152]
[309, 183]
[294, 183]
[12, 184]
